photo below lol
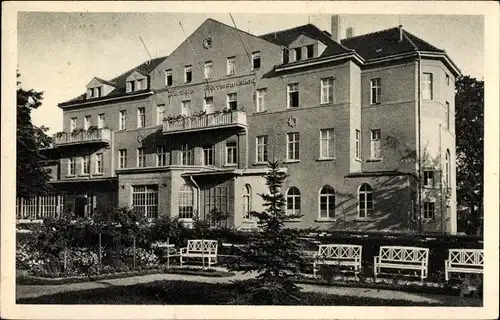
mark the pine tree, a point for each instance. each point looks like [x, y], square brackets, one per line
[274, 252]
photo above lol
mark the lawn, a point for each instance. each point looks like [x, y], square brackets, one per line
[194, 293]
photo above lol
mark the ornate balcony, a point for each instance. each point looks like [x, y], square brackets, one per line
[205, 122]
[82, 137]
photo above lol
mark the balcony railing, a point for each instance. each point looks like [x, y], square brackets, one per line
[99, 135]
[205, 121]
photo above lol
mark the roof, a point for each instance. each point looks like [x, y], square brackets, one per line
[286, 37]
[119, 82]
[386, 43]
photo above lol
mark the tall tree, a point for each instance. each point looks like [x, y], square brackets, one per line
[274, 252]
[31, 176]
[469, 119]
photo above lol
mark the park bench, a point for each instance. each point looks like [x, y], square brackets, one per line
[340, 255]
[204, 249]
[402, 258]
[464, 261]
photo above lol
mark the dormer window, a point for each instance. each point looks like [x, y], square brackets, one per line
[130, 86]
[141, 84]
[136, 85]
[94, 92]
[298, 54]
[285, 56]
[310, 51]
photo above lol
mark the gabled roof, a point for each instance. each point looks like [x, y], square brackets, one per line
[119, 82]
[104, 81]
[386, 43]
[286, 37]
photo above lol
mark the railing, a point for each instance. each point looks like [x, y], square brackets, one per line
[99, 135]
[237, 118]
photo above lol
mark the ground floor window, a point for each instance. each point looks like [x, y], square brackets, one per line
[145, 200]
[327, 203]
[216, 199]
[247, 202]
[365, 201]
[39, 207]
[429, 210]
[293, 202]
[186, 202]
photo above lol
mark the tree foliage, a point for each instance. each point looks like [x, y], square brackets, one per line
[469, 119]
[274, 252]
[31, 176]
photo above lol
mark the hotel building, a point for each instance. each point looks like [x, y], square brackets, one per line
[364, 126]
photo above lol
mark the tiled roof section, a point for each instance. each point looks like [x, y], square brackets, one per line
[119, 82]
[286, 37]
[386, 43]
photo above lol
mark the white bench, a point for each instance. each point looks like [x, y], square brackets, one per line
[464, 261]
[409, 258]
[340, 255]
[204, 249]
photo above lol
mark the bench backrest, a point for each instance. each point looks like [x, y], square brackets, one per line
[466, 257]
[408, 255]
[201, 245]
[340, 251]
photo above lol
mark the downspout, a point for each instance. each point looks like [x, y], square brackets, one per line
[442, 203]
[419, 171]
[198, 194]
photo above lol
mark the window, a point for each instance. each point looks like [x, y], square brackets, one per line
[247, 202]
[327, 203]
[101, 120]
[141, 117]
[208, 104]
[141, 84]
[123, 120]
[447, 115]
[358, 144]
[122, 158]
[375, 144]
[98, 163]
[161, 156]
[216, 199]
[310, 51]
[285, 55]
[160, 114]
[86, 122]
[72, 123]
[447, 172]
[231, 152]
[186, 107]
[94, 92]
[230, 65]
[187, 158]
[447, 80]
[293, 202]
[232, 101]
[141, 158]
[130, 86]
[327, 143]
[428, 178]
[186, 202]
[145, 200]
[168, 77]
[85, 165]
[292, 146]
[327, 90]
[298, 54]
[207, 72]
[375, 91]
[429, 208]
[261, 149]
[293, 95]
[71, 166]
[261, 100]
[256, 60]
[208, 155]
[427, 86]
[365, 201]
[188, 74]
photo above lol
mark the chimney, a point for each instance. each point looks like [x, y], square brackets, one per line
[349, 32]
[335, 28]
[400, 33]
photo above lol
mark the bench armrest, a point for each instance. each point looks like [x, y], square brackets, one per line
[183, 250]
[376, 259]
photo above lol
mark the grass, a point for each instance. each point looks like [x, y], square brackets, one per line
[195, 293]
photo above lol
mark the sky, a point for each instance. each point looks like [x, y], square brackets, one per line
[60, 52]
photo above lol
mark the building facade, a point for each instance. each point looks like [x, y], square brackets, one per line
[364, 127]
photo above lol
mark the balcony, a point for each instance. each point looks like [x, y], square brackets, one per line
[83, 137]
[205, 122]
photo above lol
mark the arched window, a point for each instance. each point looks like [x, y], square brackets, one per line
[365, 201]
[186, 201]
[293, 201]
[447, 177]
[327, 203]
[247, 202]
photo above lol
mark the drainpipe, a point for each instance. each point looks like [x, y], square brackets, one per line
[198, 194]
[419, 172]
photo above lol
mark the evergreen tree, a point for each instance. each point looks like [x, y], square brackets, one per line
[274, 252]
[31, 177]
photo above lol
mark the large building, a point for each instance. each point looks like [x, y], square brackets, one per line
[364, 126]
